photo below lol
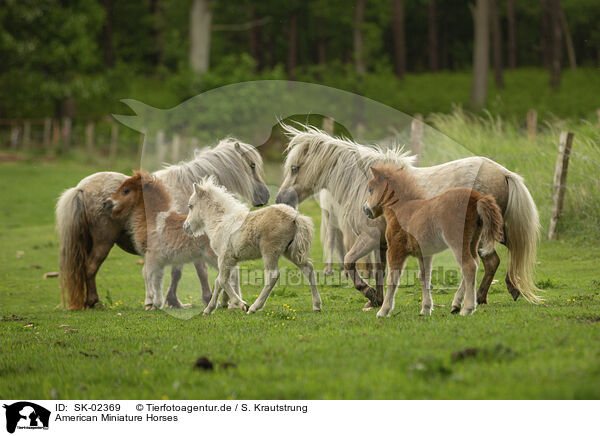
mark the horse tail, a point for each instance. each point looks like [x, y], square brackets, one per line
[491, 218]
[74, 240]
[299, 248]
[521, 232]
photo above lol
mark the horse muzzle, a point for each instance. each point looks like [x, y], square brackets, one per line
[367, 210]
[108, 205]
[287, 196]
[261, 195]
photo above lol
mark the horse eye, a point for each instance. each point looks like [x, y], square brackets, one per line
[252, 165]
[295, 169]
[125, 191]
[190, 206]
[370, 189]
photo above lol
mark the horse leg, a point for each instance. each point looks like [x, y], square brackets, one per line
[510, 286]
[490, 266]
[156, 274]
[148, 300]
[362, 245]
[339, 248]
[396, 260]
[271, 277]
[469, 270]
[331, 246]
[381, 266]
[93, 262]
[458, 297]
[308, 270]
[222, 283]
[425, 265]
[202, 273]
[171, 299]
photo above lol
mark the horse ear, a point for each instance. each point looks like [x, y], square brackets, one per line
[238, 147]
[375, 171]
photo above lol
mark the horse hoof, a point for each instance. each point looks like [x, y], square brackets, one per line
[368, 306]
[467, 312]
[482, 301]
[515, 294]
[327, 271]
[382, 314]
[455, 310]
[150, 307]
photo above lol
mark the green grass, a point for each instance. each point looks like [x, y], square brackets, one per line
[505, 350]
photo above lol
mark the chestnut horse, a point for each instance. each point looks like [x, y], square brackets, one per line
[460, 219]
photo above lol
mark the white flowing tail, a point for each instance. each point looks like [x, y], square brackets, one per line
[303, 238]
[74, 240]
[522, 230]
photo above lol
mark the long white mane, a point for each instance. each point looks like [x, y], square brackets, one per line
[224, 162]
[339, 165]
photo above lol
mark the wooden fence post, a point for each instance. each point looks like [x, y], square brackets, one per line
[560, 180]
[26, 134]
[114, 139]
[328, 125]
[160, 146]
[175, 148]
[14, 136]
[89, 137]
[531, 123]
[47, 132]
[66, 134]
[416, 137]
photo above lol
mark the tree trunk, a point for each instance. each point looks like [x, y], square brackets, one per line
[321, 43]
[109, 52]
[432, 37]
[568, 40]
[556, 43]
[512, 34]
[255, 39]
[359, 49]
[157, 30]
[200, 22]
[546, 33]
[292, 45]
[497, 36]
[481, 54]
[399, 46]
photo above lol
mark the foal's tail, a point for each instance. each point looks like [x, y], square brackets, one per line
[300, 246]
[491, 217]
[522, 229]
[74, 240]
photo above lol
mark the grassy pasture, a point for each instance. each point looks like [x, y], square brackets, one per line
[505, 350]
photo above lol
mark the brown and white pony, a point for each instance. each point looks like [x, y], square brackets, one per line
[460, 219]
[156, 230]
[316, 160]
[87, 232]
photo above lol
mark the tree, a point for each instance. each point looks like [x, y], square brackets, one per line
[497, 37]
[556, 43]
[481, 53]
[292, 43]
[109, 52]
[432, 36]
[200, 32]
[512, 33]
[359, 40]
[399, 45]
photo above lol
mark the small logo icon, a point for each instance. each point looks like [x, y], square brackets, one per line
[26, 415]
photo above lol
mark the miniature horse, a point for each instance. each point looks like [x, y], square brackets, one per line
[459, 219]
[236, 234]
[157, 232]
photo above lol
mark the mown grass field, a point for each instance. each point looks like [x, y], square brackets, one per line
[505, 350]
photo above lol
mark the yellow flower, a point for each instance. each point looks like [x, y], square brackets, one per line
[282, 323]
[146, 372]
[164, 397]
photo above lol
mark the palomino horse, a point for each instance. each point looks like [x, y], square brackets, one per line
[460, 219]
[157, 233]
[316, 161]
[236, 234]
[87, 232]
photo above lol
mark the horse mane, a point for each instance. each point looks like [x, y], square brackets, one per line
[224, 161]
[222, 196]
[340, 165]
[403, 184]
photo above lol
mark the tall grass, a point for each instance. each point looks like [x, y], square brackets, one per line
[507, 143]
